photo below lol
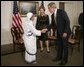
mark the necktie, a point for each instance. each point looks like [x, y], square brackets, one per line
[53, 23]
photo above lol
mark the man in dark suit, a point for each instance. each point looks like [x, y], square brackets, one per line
[61, 23]
[80, 20]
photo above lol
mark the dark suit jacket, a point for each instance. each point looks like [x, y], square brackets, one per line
[80, 19]
[63, 23]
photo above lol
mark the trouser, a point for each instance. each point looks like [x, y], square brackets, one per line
[62, 48]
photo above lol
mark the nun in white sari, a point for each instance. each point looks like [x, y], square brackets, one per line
[29, 38]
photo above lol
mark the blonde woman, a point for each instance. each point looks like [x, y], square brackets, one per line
[43, 22]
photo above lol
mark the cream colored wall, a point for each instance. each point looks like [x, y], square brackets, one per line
[6, 20]
[72, 8]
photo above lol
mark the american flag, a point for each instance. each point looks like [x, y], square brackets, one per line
[17, 22]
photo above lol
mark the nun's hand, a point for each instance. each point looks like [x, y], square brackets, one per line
[44, 30]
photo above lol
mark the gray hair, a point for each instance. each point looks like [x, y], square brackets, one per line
[52, 4]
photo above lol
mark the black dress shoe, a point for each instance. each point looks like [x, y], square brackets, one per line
[63, 63]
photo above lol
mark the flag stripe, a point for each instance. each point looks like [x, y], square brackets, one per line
[13, 24]
[17, 25]
[18, 21]
[19, 17]
[15, 21]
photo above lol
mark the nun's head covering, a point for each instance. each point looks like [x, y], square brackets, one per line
[29, 15]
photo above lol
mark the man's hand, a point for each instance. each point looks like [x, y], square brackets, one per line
[64, 35]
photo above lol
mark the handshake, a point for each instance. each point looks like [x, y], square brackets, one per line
[44, 30]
